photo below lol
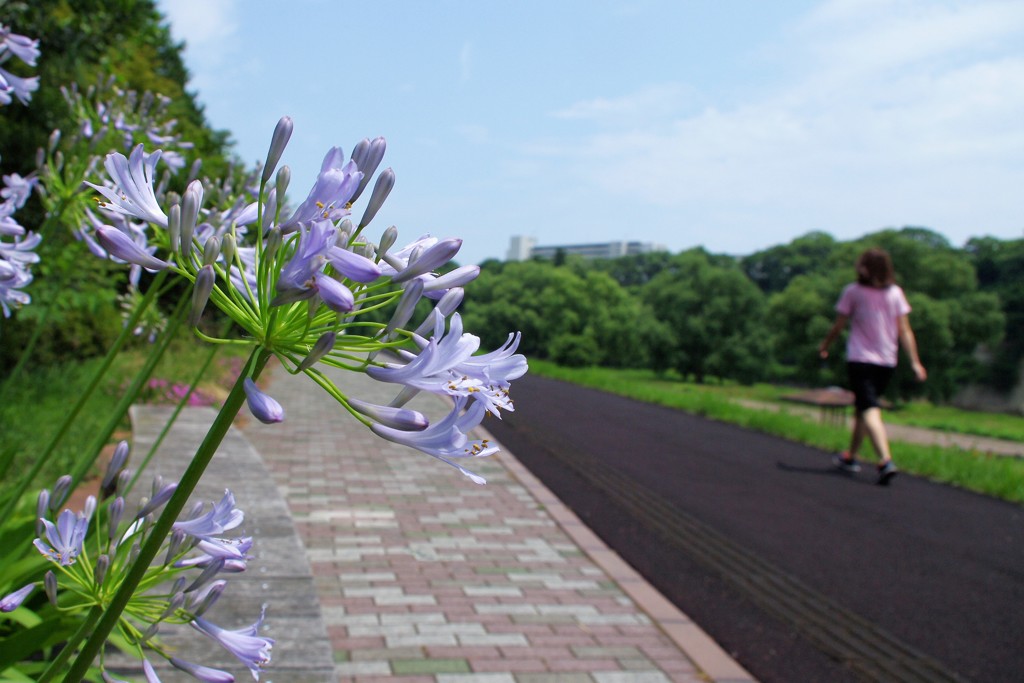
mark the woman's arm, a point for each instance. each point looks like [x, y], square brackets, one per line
[909, 343]
[832, 334]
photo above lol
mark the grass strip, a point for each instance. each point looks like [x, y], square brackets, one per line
[996, 476]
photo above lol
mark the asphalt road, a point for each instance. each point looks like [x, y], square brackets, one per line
[802, 573]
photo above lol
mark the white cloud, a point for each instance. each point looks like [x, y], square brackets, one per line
[654, 102]
[906, 116]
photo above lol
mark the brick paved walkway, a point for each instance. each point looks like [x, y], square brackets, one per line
[424, 576]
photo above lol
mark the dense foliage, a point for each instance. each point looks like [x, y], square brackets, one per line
[761, 317]
[86, 43]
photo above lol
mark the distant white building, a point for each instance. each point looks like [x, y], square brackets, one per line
[525, 248]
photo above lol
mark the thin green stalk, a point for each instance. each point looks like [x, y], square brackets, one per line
[174, 418]
[150, 549]
[69, 648]
[26, 353]
[129, 396]
[40, 462]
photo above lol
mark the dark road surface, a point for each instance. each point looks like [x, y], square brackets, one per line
[800, 572]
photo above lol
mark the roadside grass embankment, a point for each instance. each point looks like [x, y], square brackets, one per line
[33, 407]
[992, 475]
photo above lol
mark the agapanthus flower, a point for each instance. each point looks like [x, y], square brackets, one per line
[17, 189]
[11, 294]
[21, 88]
[133, 193]
[333, 189]
[446, 364]
[12, 601]
[65, 538]
[252, 649]
[24, 48]
[447, 439]
[223, 516]
[263, 407]
[202, 673]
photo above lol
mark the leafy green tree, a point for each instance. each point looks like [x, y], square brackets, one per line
[83, 43]
[569, 317]
[799, 317]
[716, 314]
[772, 269]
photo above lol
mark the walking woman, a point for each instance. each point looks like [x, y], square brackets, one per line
[877, 311]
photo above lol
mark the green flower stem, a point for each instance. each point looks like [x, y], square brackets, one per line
[129, 396]
[174, 418]
[65, 654]
[40, 462]
[163, 525]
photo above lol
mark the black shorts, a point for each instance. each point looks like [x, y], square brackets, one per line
[868, 383]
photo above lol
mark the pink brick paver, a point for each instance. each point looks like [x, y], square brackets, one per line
[423, 575]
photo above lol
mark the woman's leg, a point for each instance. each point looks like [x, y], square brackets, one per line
[871, 419]
[857, 435]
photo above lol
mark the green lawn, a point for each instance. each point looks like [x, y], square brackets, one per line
[32, 408]
[1001, 477]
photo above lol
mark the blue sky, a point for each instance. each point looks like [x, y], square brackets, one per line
[733, 125]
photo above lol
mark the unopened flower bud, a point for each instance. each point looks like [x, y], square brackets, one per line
[284, 178]
[176, 603]
[359, 152]
[193, 171]
[274, 239]
[58, 160]
[114, 467]
[124, 480]
[150, 632]
[387, 240]
[54, 140]
[42, 507]
[89, 508]
[117, 243]
[263, 407]
[228, 247]
[368, 164]
[211, 250]
[60, 492]
[40, 157]
[444, 308]
[430, 259]
[320, 349]
[133, 554]
[102, 565]
[174, 546]
[282, 132]
[158, 499]
[203, 599]
[381, 190]
[269, 210]
[399, 418]
[115, 511]
[191, 203]
[50, 586]
[201, 293]
[406, 306]
[211, 570]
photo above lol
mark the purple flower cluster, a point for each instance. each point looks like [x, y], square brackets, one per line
[17, 245]
[27, 50]
[200, 552]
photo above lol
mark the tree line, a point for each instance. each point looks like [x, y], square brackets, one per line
[761, 317]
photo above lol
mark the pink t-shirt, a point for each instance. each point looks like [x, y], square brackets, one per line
[874, 322]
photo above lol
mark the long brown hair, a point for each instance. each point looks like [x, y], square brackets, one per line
[874, 268]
